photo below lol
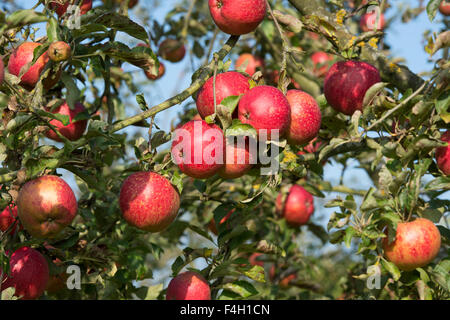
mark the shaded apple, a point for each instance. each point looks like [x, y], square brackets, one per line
[22, 57]
[444, 7]
[346, 84]
[172, 50]
[369, 21]
[8, 218]
[212, 224]
[148, 201]
[297, 207]
[59, 51]
[254, 259]
[198, 148]
[416, 244]
[188, 285]
[74, 130]
[46, 205]
[29, 274]
[305, 117]
[265, 107]
[252, 63]
[237, 17]
[229, 83]
[443, 155]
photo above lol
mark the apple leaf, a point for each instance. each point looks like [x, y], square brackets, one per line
[24, 17]
[443, 106]
[52, 30]
[65, 120]
[154, 291]
[432, 8]
[372, 92]
[391, 268]
[256, 273]
[238, 128]
[242, 288]
[73, 93]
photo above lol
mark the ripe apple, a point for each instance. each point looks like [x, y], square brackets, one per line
[21, 57]
[254, 259]
[212, 223]
[2, 71]
[8, 217]
[416, 244]
[29, 274]
[305, 117]
[286, 281]
[370, 20]
[148, 201]
[74, 130]
[238, 161]
[172, 50]
[230, 83]
[444, 8]
[46, 205]
[320, 60]
[198, 149]
[161, 72]
[252, 62]
[59, 51]
[237, 17]
[443, 155]
[188, 285]
[60, 9]
[265, 107]
[298, 206]
[347, 82]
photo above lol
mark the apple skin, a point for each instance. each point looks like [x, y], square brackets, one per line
[229, 83]
[46, 205]
[298, 206]
[199, 142]
[443, 155]
[265, 107]
[148, 201]
[74, 130]
[320, 58]
[188, 285]
[172, 50]
[61, 9]
[24, 55]
[368, 21]
[237, 17]
[305, 117]
[416, 244]
[161, 72]
[8, 217]
[252, 64]
[212, 223]
[59, 51]
[444, 8]
[347, 82]
[234, 167]
[29, 273]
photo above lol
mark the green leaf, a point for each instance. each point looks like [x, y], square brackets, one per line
[372, 92]
[238, 128]
[443, 106]
[440, 183]
[24, 17]
[140, 99]
[65, 120]
[391, 268]
[256, 273]
[432, 7]
[52, 30]
[242, 288]
[154, 291]
[349, 233]
[8, 294]
[72, 91]
[441, 274]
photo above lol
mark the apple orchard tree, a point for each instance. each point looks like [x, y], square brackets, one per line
[305, 83]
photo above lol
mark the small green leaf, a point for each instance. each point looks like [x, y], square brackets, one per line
[432, 8]
[391, 268]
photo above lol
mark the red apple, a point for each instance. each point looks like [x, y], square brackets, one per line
[347, 82]
[74, 130]
[60, 9]
[320, 60]
[227, 84]
[238, 160]
[254, 261]
[21, 57]
[265, 107]
[46, 205]
[252, 63]
[305, 117]
[286, 281]
[443, 155]
[188, 285]
[212, 223]
[298, 206]
[148, 201]
[172, 50]
[416, 244]
[198, 149]
[29, 273]
[8, 217]
[370, 20]
[237, 17]
[59, 51]
[161, 72]
[444, 8]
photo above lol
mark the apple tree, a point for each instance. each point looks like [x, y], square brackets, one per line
[99, 202]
